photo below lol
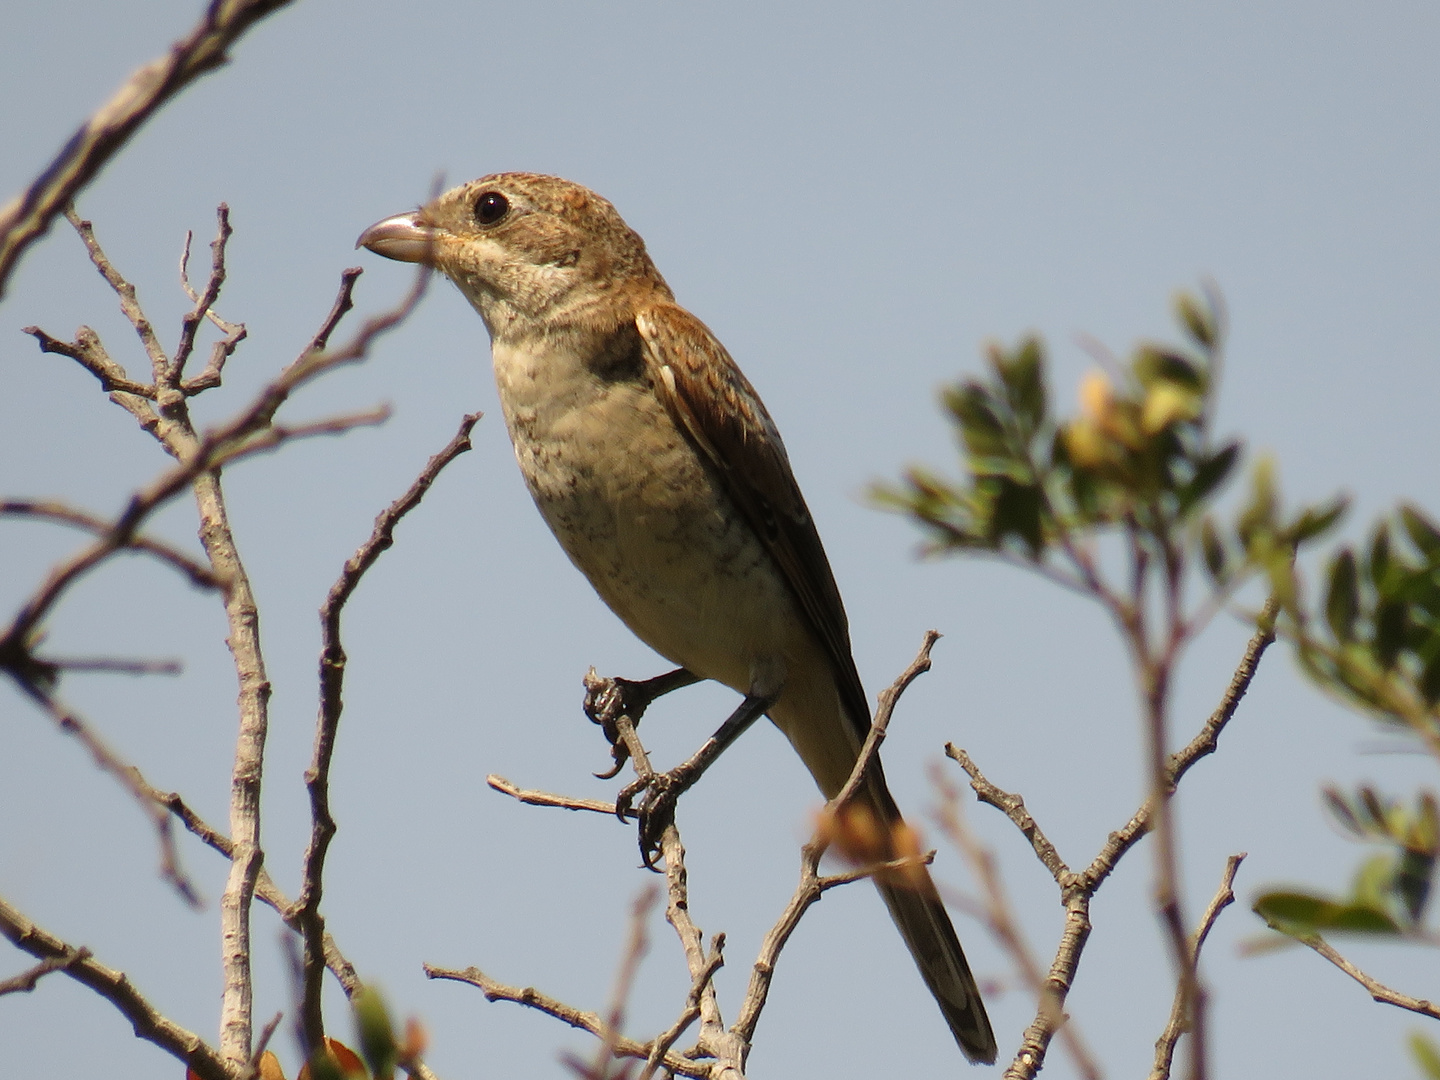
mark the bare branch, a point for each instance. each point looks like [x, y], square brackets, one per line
[812, 886]
[91, 355]
[585, 1021]
[1076, 890]
[332, 680]
[1013, 807]
[116, 988]
[97, 526]
[690, 1013]
[1377, 990]
[70, 722]
[113, 664]
[887, 701]
[27, 980]
[637, 944]
[26, 218]
[998, 913]
[545, 798]
[204, 309]
[1203, 744]
[1178, 1023]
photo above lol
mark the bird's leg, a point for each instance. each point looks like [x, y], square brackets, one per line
[608, 699]
[662, 790]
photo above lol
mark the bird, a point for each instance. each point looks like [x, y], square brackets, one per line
[656, 465]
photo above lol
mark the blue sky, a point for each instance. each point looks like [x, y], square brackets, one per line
[855, 198]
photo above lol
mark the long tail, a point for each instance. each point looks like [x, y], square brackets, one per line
[923, 922]
[925, 926]
[819, 728]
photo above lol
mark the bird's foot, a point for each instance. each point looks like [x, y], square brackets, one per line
[608, 699]
[656, 810]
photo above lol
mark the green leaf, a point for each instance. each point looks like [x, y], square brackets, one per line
[1430, 682]
[1391, 624]
[377, 1035]
[1380, 560]
[1197, 318]
[1340, 809]
[1213, 549]
[1342, 601]
[1258, 517]
[1373, 881]
[1426, 1055]
[1413, 875]
[1423, 533]
[1022, 373]
[1155, 365]
[980, 424]
[1212, 471]
[1316, 520]
[1017, 513]
[1300, 914]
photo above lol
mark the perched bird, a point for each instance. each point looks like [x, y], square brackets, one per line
[658, 469]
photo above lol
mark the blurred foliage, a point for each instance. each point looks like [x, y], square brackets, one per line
[1427, 1056]
[1375, 646]
[382, 1052]
[1137, 471]
[1139, 462]
[1391, 890]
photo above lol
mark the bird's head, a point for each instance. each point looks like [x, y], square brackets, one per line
[526, 250]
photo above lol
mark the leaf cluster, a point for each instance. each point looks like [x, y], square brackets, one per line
[1391, 891]
[1138, 460]
[1378, 644]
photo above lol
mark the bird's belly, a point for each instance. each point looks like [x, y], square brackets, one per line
[632, 504]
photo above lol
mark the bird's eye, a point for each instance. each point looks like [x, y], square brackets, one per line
[491, 207]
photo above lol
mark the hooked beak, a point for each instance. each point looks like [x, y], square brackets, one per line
[402, 238]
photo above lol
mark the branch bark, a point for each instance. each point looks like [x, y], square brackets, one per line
[27, 217]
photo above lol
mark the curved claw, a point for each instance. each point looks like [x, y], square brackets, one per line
[656, 812]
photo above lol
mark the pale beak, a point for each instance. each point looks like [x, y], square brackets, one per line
[402, 238]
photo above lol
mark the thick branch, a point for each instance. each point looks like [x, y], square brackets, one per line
[116, 988]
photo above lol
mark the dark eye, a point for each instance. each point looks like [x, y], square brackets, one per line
[491, 207]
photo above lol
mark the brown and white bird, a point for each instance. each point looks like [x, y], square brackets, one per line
[658, 469]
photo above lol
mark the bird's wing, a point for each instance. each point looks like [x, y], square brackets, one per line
[712, 401]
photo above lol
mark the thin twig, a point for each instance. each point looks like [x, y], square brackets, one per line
[1178, 1023]
[888, 698]
[1377, 990]
[1203, 744]
[265, 888]
[544, 798]
[812, 886]
[1077, 889]
[47, 510]
[26, 218]
[72, 724]
[204, 303]
[636, 945]
[662, 1043]
[997, 912]
[576, 1018]
[117, 989]
[327, 723]
[27, 980]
